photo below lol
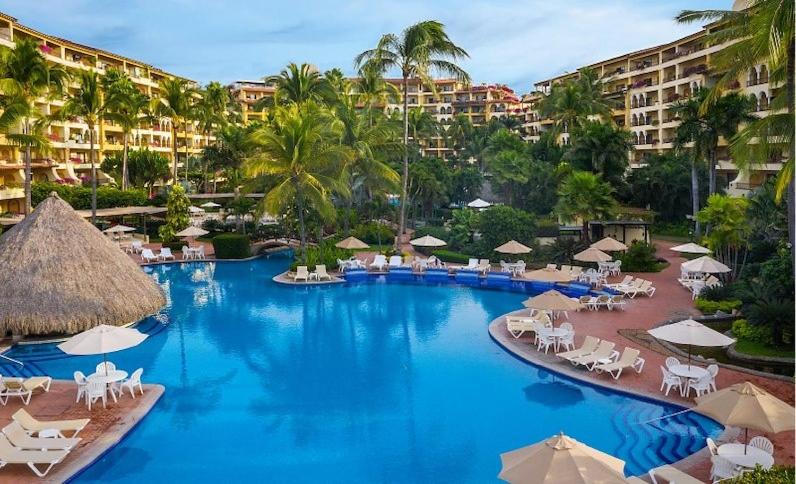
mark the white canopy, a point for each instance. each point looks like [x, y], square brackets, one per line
[428, 241]
[210, 205]
[478, 203]
[192, 232]
[119, 228]
[691, 248]
[690, 332]
[102, 339]
[705, 264]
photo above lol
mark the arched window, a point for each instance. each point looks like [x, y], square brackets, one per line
[752, 78]
[763, 78]
[763, 104]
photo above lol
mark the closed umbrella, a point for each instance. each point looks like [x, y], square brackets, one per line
[552, 300]
[513, 247]
[548, 275]
[705, 264]
[428, 241]
[691, 333]
[745, 405]
[351, 243]
[691, 248]
[118, 229]
[478, 203]
[592, 255]
[102, 339]
[560, 459]
[609, 244]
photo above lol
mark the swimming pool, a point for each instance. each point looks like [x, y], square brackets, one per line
[364, 381]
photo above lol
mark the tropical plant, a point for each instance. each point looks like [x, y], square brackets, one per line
[175, 101]
[501, 223]
[25, 75]
[300, 149]
[177, 217]
[601, 148]
[298, 84]
[664, 185]
[423, 127]
[144, 168]
[227, 154]
[571, 103]
[373, 91]
[584, 197]
[421, 48]
[509, 170]
[429, 179]
[640, 257]
[210, 113]
[729, 229]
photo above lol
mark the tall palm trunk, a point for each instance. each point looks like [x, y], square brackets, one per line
[93, 174]
[402, 221]
[28, 172]
[695, 196]
[712, 154]
[791, 198]
[125, 154]
[302, 227]
[174, 149]
[185, 132]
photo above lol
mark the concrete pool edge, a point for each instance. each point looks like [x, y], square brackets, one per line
[109, 440]
[508, 344]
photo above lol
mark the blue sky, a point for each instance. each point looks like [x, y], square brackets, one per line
[515, 42]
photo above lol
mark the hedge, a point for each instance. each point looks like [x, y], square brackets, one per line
[231, 246]
[775, 475]
[711, 307]
[451, 256]
[79, 197]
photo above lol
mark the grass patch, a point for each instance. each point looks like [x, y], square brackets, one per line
[756, 348]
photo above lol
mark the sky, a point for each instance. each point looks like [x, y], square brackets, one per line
[514, 42]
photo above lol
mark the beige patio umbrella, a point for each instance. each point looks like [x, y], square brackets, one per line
[102, 339]
[351, 243]
[745, 405]
[592, 255]
[705, 264]
[548, 275]
[513, 247]
[192, 232]
[428, 241]
[119, 229]
[210, 205]
[691, 333]
[560, 459]
[552, 300]
[609, 244]
[691, 248]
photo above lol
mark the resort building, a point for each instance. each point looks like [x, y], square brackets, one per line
[645, 84]
[67, 160]
[247, 94]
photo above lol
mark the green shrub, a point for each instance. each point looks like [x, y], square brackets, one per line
[720, 292]
[79, 197]
[742, 330]
[174, 244]
[451, 256]
[775, 475]
[711, 307]
[325, 253]
[434, 231]
[501, 223]
[548, 230]
[640, 257]
[231, 246]
[374, 233]
[672, 230]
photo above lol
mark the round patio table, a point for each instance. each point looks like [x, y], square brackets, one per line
[689, 372]
[753, 456]
[556, 333]
[108, 379]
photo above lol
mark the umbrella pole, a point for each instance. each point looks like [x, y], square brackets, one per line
[745, 440]
[689, 357]
[105, 363]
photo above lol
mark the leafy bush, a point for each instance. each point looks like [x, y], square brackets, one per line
[325, 253]
[775, 475]
[451, 256]
[176, 214]
[640, 257]
[742, 330]
[80, 197]
[720, 292]
[438, 232]
[501, 223]
[562, 250]
[711, 307]
[373, 233]
[231, 246]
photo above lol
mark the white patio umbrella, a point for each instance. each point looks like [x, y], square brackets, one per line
[691, 248]
[592, 255]
[210, 205]
[478, 203]
[705, 264]
[118, 229]
[194, 209]
[513, 247]
[102, 339]
[428, 241]
[691, 333]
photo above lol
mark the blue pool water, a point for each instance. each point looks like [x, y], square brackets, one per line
[366, 381]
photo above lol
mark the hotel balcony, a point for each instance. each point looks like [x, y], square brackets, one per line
[11, 192]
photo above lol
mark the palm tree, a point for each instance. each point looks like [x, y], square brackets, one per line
[210, 111]
[87, 103]
[298, 84]
[603, 149]
[300, 149]
[25, 75]
[763, 33]
[127, 107]
[423, 126]
[570, 104]
[373, 90]
[587, 197]
[422, 47]
[175, 101]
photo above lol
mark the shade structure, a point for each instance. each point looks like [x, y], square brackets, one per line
[705, 264]
[548, 275]
[102, 339]
[745, 405]
[118, 229]
[192, 231]
[193, 209]
[210, 205]
[560, 459]
[552, 300]
[351, 243]
[513, 247]
[478, 203]
[592, 255]
[64, 276]
[609, 244]
[428, 241]
[691, 333]
[691, 248]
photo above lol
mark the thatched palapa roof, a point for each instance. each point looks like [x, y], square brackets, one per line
[62, 275]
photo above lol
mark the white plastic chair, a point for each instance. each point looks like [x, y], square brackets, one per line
[712, 447]
[722, 469]
[763, 444]
[186, 254]
[670, 380]
[132, 383]
[109, 365]
[96, 390]
[80, 380]
[713, 370]
[700, 386]
[567, 341]
[136, 246]
[546, 341]
[671, 361]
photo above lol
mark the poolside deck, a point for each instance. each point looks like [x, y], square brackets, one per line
[107, 427]
[670, 301]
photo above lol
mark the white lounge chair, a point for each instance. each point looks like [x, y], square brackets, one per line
[626, 281]
[601, 301]
[165, 254]
[587, 302]
[484, 266]
[671, 475]
[518, 327]
[320, 272]
[590, 343]
[136, 246]
[17, 387]
[148, 256]
[395, 261]
[20, 439]
[552, 267]
[472, 265]
[132, 383]
[603, 352]
[617, 301]
[379, 262]
[32, 458]
[302, 274]
[630, 359]
[34, 426]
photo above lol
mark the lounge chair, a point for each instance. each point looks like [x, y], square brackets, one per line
[552, 267]
[647, 289]
[601, 301]
[320, 272]
[603, 352]
[20, 439]
[379, 262]
[32, 458]
[34, 426]
[165, 253]
[630, 359]
[590, 343]
[626, 281]
[148, 256]
[136, 246]
[472, 265]
[484, 266]
[617, 301]
[575, 272]
[395, 261]
[17, 387]
[566, 268]
[587, 301]
[672, 475]
[302, 274]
